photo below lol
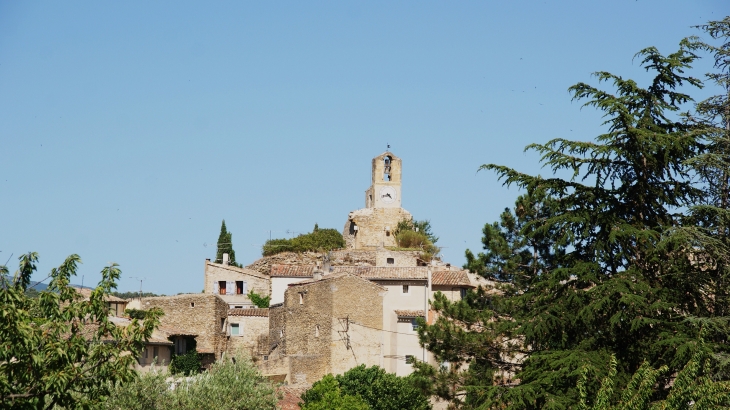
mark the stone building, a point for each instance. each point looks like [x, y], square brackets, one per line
[232, 283]
[199, 314]
[327, 324]
[373, 226]
[248, 331]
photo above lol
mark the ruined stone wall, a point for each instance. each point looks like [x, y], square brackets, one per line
[215, 272]
[371, 224]
[344, 257]
[250, 339]
[196, 313]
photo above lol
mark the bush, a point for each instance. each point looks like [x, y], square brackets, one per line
[373, 385]
[229, 384]
[186, 364]
[258, 300]
[318, 240]
[136, 313]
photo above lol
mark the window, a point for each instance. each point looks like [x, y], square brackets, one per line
[414, 324]
[235, 329]
[222, 287]
[266, 357]
[386, 168]
[192, 304]
[390, 261]
[463, 293]
[146, 352]
[409, 359]
[405, 288]
[301, 298]
[238, 307]
[281, 333]
[223, 324]
[316, 331]
[241, 287]
[156, 352]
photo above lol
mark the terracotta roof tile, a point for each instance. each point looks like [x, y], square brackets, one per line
[292, 270]
[86, 294]
[409, 313]
[456, 278]
[383, 272]
[249, 312]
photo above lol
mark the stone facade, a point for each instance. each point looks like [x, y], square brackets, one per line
[325, 326]
[249, 331]
[373, 226]
[232, 283]
[203, 315]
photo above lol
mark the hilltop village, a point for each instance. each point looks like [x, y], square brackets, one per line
[329, 311]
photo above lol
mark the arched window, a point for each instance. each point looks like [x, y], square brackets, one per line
[386, 168]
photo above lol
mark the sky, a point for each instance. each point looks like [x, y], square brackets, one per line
[130, 130]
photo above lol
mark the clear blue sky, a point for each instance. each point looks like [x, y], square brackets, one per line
[129, 130]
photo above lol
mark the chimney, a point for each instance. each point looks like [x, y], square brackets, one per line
[225, 259]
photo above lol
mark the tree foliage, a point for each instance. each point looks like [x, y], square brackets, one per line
[186, 364]
[60, 350]
[614, 260]
[229, 384]
[318, 240]
[375, 387]
[225, 245]
[258, 300]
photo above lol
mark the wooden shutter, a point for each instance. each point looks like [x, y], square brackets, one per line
[230, 288]
[216, 288]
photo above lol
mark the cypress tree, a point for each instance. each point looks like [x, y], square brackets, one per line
[225, 245]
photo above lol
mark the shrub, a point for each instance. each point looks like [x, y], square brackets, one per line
[258, 300]
[186, 364]
[318, 240]
[136, 313]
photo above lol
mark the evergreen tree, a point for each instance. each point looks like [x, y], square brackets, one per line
[225, 245]
[631, 281]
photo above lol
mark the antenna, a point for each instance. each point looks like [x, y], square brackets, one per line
[140, 285]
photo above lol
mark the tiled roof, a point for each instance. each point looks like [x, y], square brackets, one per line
[249, 312]
[383, 272]
[409, 313]
[303, 271]
[455, 278]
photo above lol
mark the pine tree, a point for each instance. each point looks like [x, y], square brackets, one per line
[632, 281]
[225, 245]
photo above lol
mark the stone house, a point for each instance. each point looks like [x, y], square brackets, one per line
[327, 324]
[116, 305]
[198, 317]
[248, 331]
[232, 283]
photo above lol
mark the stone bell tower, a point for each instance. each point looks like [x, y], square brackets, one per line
[373, 226]
[385, 188]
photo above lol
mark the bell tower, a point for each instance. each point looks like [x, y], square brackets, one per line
[385, 188]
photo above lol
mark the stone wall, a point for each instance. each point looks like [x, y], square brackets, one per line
[201, 314]
[343, 257]
[371, 224]
[311, 328]
[384, 257]
[254, 280]
[254, 335]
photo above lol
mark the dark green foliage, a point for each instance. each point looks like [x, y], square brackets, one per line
[186, 364]
[326, 394]
[225, 245]
[693, 387]
[379, 389]
[55, 349]
[411, 234]
[515, 250]
[607, 264]
[423, 227]
[136, 313]
[319, 240]
[132, 295]
[258, 300]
